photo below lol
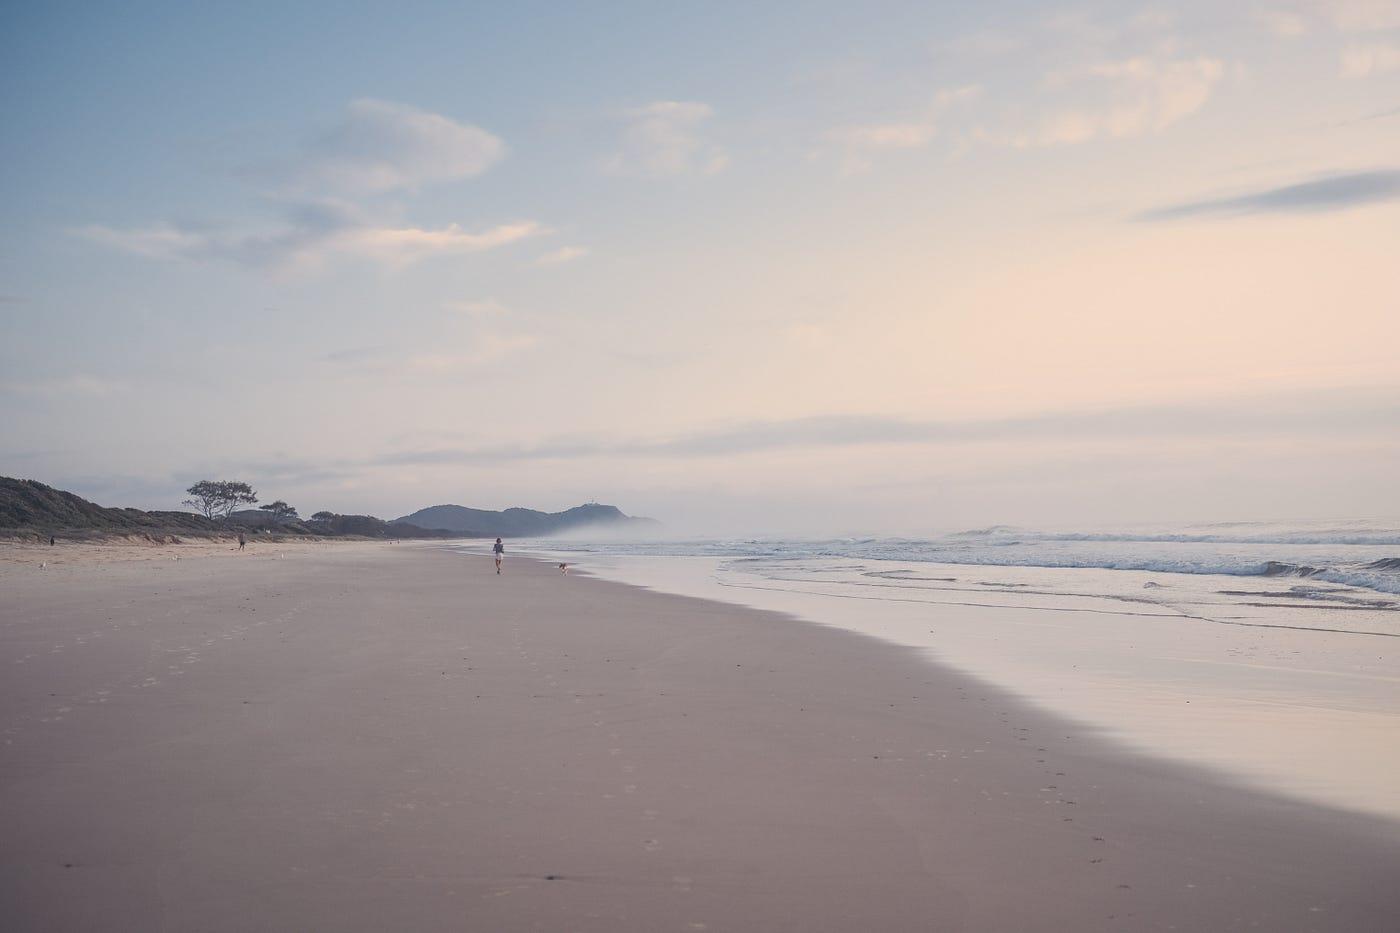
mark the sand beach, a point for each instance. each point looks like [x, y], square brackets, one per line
[367, 736]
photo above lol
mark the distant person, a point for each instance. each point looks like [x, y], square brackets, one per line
[242, 541]
[499, 550]
[51, 540]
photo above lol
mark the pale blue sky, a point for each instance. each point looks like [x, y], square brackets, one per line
[812, 267]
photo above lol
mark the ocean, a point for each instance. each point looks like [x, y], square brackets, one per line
[1363, 554]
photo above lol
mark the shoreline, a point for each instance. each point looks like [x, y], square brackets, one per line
[373, 736]
[1270, 701]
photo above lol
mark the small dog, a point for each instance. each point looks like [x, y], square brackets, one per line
[563, 568]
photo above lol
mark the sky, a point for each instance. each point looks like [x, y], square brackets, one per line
[783, 268]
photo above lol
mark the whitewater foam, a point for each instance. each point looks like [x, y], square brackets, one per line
[1353, 554]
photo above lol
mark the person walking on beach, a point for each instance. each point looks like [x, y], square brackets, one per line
[499, 550]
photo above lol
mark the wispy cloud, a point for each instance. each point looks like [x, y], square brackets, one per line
[1385, 114]
[450, 354]
[379, 146]
[310, 234]
[1324, 413]
[983, 43]
[403, 245]
[479, 308]
[279, 468]
[561, 255]
[325, 209]
[1363, 61]
[1285, 23]
[354, 355]
[884, 135]
[667, 137]
[77, 385]
[1123, 98]
[1330, 193]
[1135, 73]
[858, 143]
[1098, 29]
[1347, 16]
[487, 348]
[1361, 15]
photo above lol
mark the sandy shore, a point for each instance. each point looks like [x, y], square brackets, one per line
[377, 737]
[118, 549]
[1295, 695]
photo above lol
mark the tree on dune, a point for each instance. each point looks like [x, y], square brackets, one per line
[215, 498]
[280, 510]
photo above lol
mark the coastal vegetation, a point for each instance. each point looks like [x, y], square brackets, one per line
[29, 508]
[215, 498]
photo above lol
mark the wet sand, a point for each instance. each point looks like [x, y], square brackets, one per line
[1300, 700]
[370, 737]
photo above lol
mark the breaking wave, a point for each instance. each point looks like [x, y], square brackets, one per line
[1353, 554]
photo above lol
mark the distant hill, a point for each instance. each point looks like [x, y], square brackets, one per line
[28, 506]
[524, 523]
[367, 526]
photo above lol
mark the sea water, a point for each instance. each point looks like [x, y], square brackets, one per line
[1357, 553]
